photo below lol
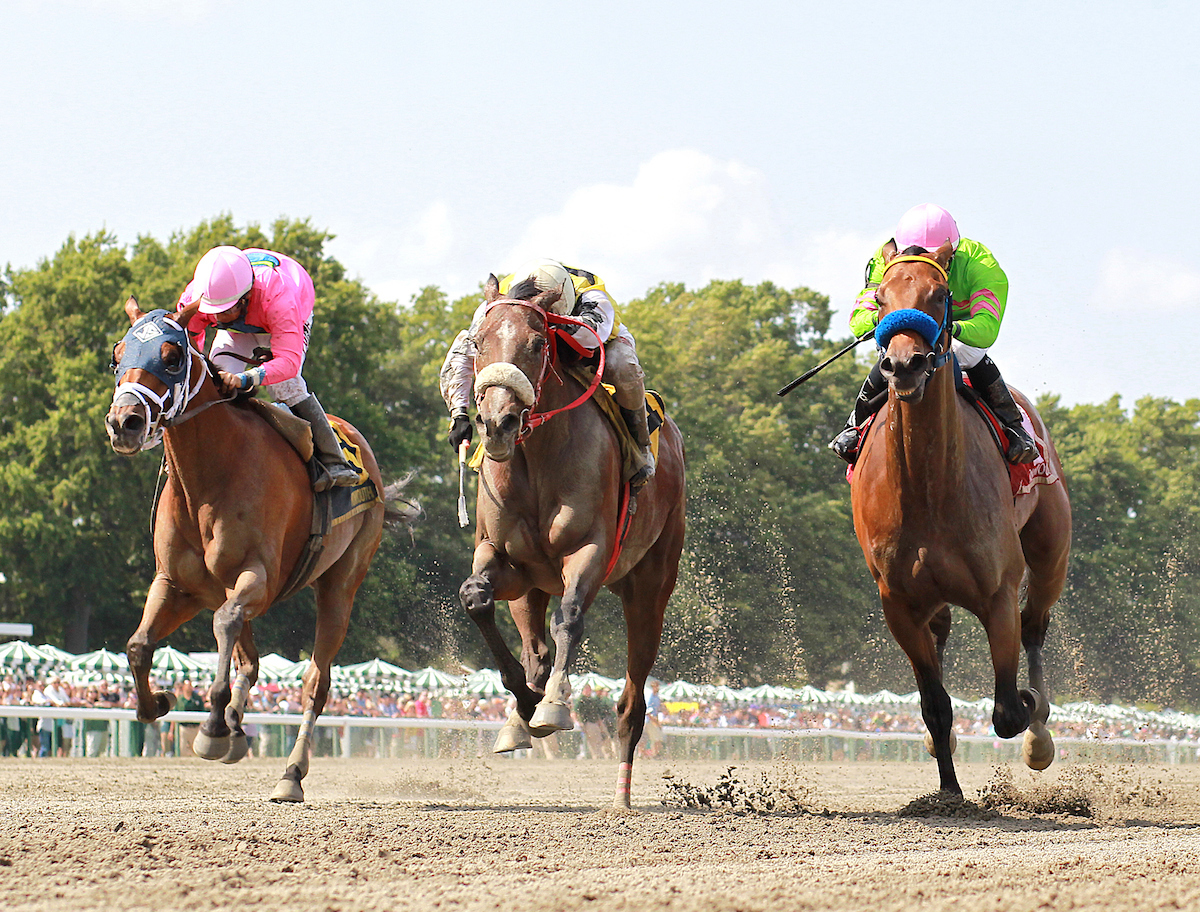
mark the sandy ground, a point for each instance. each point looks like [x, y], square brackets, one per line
[535, 835]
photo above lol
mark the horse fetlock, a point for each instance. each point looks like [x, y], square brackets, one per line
[1038, 705]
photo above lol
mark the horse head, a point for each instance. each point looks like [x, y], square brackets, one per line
[152, 365]
[513, 355]
[914, 318]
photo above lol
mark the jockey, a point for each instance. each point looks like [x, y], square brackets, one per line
[257, 298]
[979, 289]
[585, 298]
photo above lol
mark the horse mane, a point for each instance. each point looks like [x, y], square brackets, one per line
[524, 290]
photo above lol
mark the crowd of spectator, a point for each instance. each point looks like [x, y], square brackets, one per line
[593, 709]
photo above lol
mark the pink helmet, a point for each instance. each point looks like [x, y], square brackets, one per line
[927, 226]
[223, 275]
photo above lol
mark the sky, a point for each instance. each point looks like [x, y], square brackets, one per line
[647, 142]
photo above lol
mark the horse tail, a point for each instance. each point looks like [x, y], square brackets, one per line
[398, 510]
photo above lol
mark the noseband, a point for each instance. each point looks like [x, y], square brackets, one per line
[506, 374]
[918, 321]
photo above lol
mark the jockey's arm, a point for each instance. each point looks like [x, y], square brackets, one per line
[866, 309]
[596, 309]
[288, 345]
[980, 291]
[456, 379]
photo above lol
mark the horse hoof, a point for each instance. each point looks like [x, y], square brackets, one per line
[933, 751]
[1039, 706]
[288, 791]
[550, 717]
[511, 738]
[1037, 750]
[209, 748]
[239, 747]
[165, 701]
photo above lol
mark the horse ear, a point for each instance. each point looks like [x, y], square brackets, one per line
[889, 251]
[184, 317]
[943, 255]
[132, 310]
[491, 289]
[547, 299]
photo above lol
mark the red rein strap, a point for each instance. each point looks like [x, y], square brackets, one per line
[553, 320]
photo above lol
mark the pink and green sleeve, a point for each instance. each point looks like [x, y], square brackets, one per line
[979, 288]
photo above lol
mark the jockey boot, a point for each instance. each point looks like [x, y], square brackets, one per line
[635, 420]
[869, 400]
[987, 382]
[328, 451]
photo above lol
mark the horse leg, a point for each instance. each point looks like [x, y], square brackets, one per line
[529, 614]
[939, 626]
[583, 571]
[919, 643]
[166, 608]
[1014, 707]
[1045, 541]
[249, 592]
[245, 655]
[335, 598]
[490, 572]
[644, 593]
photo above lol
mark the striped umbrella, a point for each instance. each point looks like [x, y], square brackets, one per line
[678, 691]
[20, 655]
[172, 665]
[102, 661]
[484, 683]
[433, 679]
[61, 657]
[376, 671]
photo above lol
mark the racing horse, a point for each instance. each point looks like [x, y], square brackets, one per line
[549, 510]
[938, 522]
[231, 525]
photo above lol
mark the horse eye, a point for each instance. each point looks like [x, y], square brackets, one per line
[538, 344]
[173, 359]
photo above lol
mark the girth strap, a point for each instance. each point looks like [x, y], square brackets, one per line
[322, 522]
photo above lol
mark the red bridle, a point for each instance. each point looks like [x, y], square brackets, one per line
[549, 355]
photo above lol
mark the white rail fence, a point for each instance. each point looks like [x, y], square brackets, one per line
[117, 733]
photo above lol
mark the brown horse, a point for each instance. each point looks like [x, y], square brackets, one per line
[548, 513]
[939, 525]
[234, 518]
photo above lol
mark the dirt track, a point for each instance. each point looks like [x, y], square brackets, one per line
[532, 835]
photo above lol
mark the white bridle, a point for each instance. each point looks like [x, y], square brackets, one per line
[166, 414]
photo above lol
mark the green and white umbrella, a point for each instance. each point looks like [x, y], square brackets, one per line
[484, 683]
[678, 691]
[61, 657]
[433, 679]
[596, 682]
[102, 661]
[18, 654]
[172, 665]
[377, 671]
[274, 669]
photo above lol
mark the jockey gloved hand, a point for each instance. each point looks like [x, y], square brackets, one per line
[460, 430]
[231, 384]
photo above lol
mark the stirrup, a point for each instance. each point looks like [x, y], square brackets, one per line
[845, 444]
[338, 475]
[1021, 448]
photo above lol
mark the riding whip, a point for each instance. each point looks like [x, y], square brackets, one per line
[824, 364]
[463, 519]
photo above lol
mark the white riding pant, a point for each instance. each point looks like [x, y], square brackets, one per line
[290, 391]
[968, 355]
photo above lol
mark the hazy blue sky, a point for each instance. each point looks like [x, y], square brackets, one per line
[647, 141]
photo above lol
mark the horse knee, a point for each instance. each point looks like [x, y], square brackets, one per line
[140, 652]
[476, 597]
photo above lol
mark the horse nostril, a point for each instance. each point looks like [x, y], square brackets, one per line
[132, 424]
[509, 424]
[887, 365]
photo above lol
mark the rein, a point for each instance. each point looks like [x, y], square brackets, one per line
[176, 413]
[552, 321]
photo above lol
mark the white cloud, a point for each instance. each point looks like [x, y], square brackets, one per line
[690, 217]
[1148, 283]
